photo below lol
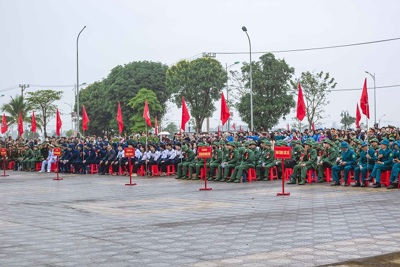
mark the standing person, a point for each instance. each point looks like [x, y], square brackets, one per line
[49, 160]
[384, 162]
[347, 163]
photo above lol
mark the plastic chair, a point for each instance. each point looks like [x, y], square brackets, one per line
[273, 173]
[141, 171]
[94, 168]
[154, 170]
[288, 172]
[38, 166]
[311, 176]
[251, 175]
[170, 169]
[11, 165]
[350, 178]
[53, 167]
[328, 174]
[385, 178]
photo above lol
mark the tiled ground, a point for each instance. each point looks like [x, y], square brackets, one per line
[92, 220]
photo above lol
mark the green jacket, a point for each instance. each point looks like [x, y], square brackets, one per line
[247, 158]
[296, 153]
[310, 158]
[37, 155]
[28, 154]
[217, 156]
[330, 155]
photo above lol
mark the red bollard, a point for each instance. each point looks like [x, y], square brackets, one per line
[205, 178]
[283, 181]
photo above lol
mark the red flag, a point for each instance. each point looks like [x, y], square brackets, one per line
[4, 126]
[33, 124]
[301, 105]
[156, 126]
[234, 126]
[364, 100]
[224, 110]
[185, 114]
[146, 113]
[240, 129]
[20, 124]
[119, 119]
[58, 123]
[358, 117]
[85, 118]
[219, 132]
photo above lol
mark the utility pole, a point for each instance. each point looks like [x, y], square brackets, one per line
[23, 87]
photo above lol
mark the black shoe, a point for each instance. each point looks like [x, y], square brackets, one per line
[357, 185]
[335, 184]
[363, 185]
[292, 182]
[377, 186]
[102, 174]
[391, 187]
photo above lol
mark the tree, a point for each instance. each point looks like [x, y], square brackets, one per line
[171, 128]
[346, 120]
[43, 100]
[137, 105]
[200, 81]
[272, 97]
[14, 107]
[95, 99]
[316, 88]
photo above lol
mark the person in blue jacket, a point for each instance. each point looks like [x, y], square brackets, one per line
[394, 175]
[365, 163]
[384, 162]
[347, 163]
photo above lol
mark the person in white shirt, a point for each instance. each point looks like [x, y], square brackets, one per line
[50, 159]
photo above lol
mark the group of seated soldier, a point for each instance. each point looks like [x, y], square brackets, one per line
[230, 160]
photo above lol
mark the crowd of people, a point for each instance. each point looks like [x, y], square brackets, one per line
[364, 155]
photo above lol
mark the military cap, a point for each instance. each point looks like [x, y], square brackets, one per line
[231, 143]
[374, 140]
[246, 144]
[267, 143]
[391, 126]
[242, 150]
[296, 142]
[344, 145]
[221, 142]
[252, 143]
[385, 142]
[364, 144]
[308, 142]
[391, 139]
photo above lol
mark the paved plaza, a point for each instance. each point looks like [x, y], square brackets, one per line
[91, 220]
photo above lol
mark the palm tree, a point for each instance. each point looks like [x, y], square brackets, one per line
[14, 107]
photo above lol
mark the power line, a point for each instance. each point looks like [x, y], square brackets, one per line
[309, 49]
[358, 89]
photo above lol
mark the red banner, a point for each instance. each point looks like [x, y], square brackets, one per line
[204, 152]
[3, 152]
[129, 152]
[57, 151]
[282, 152]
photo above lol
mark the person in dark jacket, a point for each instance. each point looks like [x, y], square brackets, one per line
[106, 161]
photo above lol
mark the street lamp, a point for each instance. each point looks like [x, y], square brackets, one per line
[251, 82]
[77, 79]
[380, 119]
[373, 77]
[227, 85]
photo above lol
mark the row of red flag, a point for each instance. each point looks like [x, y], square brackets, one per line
[4, 125]
[301, 105]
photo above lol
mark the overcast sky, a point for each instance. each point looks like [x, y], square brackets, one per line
[38, 44]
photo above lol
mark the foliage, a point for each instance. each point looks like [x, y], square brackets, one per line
[316, 88]
[200, 81]
[137, 106]
[347, 120]
[69, 133]
[95, 98]
[43, 100]
[272, 98]
[171, 128]
[14, 107]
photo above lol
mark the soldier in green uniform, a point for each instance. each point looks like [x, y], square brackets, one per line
[267, 162]
[328, 159]
[257, 151]
[229, 162]
[297, 150]
[183, 166]
[246, 162]
[195, 165]
[215, 161]
[28, 155]
[392, 132]
[374, 144]
[308, 160]
[36, 157]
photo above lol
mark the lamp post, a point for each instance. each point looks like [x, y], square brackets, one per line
[373, 77]
[77, 79]
[380, 120]
[227, 85]
[251, 82]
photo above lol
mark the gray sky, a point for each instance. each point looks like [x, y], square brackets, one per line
[39, 42]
